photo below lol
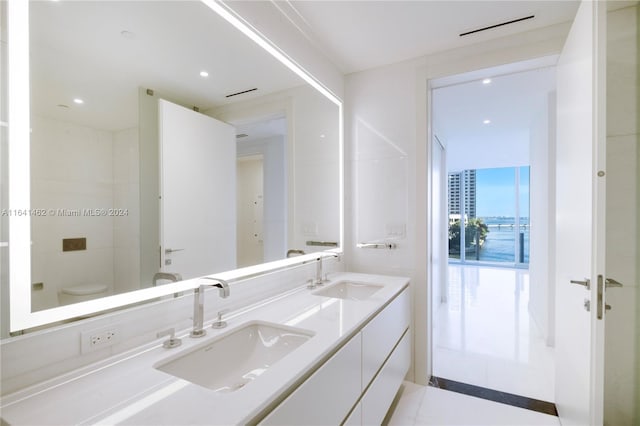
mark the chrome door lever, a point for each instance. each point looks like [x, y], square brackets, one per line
[610, 282]
[170, 250]
[586, 283]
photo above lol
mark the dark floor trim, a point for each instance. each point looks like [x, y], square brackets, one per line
[494, 395]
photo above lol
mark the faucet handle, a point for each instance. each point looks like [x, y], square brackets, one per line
[173, 341]
[219, 323]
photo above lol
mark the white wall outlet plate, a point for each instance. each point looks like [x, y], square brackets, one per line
[99, 338]
[396, 230]
[310, 229]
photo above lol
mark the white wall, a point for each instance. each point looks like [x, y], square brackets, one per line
[126, 195]
[380, 162]
[622, 380]
[542, 211]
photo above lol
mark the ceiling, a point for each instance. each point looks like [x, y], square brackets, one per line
[102, 51]
[359, 35]
[510, 102]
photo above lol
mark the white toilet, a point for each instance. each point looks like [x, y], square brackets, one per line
[81, 293]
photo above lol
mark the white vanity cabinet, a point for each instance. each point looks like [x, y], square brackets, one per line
[328, 395]
[356, 386]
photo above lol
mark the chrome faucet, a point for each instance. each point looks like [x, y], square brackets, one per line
[171, 276]
[294, 252]
[198, 304]
[319, 280]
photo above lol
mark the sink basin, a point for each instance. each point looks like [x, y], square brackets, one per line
[349, 290]
[230, 362]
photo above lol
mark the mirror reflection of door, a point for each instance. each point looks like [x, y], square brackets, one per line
[250, 210]
[262, 171]
[198, 215]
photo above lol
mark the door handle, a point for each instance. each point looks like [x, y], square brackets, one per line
[586, 283]
[610, 282]
[170, 250]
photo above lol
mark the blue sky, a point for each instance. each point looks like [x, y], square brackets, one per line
[495, 192]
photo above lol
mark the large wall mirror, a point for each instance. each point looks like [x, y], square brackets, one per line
[163, 144]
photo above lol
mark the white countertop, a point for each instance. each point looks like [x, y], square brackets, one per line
[128, 390]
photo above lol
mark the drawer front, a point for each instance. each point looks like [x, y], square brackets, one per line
[382, 333]
[378, 398]
[327, 396]
[355, 418]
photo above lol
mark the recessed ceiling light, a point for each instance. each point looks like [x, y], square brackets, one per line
[78, 101]
[322, 136]
[486, 81]
[486, 122]
[204, 74]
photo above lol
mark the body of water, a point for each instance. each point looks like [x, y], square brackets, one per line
[499, 245]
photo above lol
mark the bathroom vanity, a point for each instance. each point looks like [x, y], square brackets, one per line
[336, 353]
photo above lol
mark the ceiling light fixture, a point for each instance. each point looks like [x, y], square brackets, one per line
[78, 101]
[204, 74]
[486, 81]
[486, 122]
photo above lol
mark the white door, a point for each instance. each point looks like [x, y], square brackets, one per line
[250, 194]
[439, 228]
[580, 202]
[198, 192]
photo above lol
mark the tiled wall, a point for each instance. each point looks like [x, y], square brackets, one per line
[74, 168]
[126, 196]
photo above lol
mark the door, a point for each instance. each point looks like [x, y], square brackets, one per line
[250, 194]
[198, 192]
[580, 202]
[438, 228]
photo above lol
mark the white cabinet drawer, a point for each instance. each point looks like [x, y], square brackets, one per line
[327, 396]
[378, 398]
[382, 333]
[355, 418]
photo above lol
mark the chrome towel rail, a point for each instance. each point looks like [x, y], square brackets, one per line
[322, 243]
[389, 246]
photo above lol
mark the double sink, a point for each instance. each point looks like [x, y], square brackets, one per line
[229, 362]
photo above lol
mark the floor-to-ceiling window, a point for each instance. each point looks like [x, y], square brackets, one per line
[489, 215]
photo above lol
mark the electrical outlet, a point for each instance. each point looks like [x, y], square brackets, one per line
[99, 338]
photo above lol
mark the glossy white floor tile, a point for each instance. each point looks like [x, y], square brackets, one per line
[484, 334]
[420, 405]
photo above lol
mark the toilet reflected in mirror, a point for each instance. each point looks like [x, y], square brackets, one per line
[81, 293]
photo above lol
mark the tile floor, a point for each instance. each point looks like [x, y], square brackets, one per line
[425, 405]
[484, 335]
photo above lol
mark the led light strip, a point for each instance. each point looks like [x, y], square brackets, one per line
[262, 41]
[19, 172]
